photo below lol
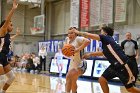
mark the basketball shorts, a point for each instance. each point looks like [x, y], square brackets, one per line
[83, 66]
[3, 60]
[118, 71]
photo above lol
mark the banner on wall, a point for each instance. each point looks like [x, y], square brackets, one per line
[51, 45]
[107, 11]
[120, 15]
[84, 13]
[74, 13]
[95, 14]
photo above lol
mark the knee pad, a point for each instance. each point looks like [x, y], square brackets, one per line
[11, 76]
[2, 81]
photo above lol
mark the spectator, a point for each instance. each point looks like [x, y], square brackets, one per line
[130, 48]
[42, 54]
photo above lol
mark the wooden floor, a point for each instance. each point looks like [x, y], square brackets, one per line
[42, 83]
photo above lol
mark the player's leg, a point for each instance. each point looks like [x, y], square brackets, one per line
[108, 74]
[60, 69]
[2, 81]
[75, 75]
[133, 90]
[68, 82]
[104, 84]
[10, 77]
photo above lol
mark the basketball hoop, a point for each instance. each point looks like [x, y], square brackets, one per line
[34, 30]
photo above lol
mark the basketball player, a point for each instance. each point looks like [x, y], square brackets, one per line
[77, 67]
[5, 28]
[58, 59]
[114, 53]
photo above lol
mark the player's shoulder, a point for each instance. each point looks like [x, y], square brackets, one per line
[133, 41]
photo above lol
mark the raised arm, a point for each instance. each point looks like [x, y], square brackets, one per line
[3, 29]
[17, 33]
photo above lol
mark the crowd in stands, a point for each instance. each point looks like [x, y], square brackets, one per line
[26, 62]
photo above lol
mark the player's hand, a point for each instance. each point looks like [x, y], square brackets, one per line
[15, 4]
[137, 57]
[73, 52]
[76, 50]
[75, 31]
[17, 31]
[85, 56]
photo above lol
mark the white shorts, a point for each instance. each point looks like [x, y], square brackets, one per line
[59, 62]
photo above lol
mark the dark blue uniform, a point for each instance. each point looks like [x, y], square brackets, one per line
[5, 43]
[119, 62]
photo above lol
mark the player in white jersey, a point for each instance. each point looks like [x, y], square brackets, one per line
[58, 59]
[77, 66]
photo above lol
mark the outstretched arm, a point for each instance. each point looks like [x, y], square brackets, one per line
[17, 33]
[3, 29]
[87, 35]
[92, 54]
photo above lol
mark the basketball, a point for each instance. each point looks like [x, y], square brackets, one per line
[68, 49]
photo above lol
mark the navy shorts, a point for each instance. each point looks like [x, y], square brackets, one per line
[3, 59]
[120, 72]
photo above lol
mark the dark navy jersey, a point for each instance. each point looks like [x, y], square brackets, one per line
[111, 50]
[5, 44]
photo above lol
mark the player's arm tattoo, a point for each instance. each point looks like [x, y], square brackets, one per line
[84, 34]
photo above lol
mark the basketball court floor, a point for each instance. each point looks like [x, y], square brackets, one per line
[44, 83]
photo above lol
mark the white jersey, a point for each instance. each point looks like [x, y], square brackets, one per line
[76, 59]
[59, 57]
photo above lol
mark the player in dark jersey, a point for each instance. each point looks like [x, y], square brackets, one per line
[5, 69]
[114, 53]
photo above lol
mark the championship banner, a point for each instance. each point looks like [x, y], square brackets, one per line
[74, 13]
[107, 11]
[95, 14]
[84, 13]
[120, 15]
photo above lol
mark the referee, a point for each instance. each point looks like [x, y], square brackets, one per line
[130, 48]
